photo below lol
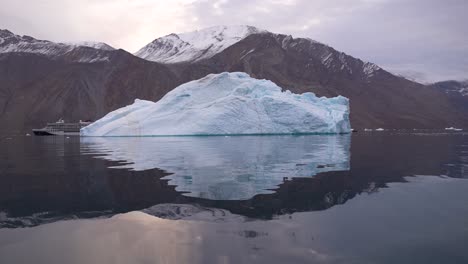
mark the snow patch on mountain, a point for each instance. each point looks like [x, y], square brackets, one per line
[330, 59]
[196, 45]
[463, 88]
[91, 44]
[452, 87]
[464, 91]
[370, 69]
[203, 44]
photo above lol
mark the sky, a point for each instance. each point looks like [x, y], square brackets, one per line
[426, 40]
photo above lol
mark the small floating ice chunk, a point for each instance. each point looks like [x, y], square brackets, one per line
[380, 129]
[453, 129]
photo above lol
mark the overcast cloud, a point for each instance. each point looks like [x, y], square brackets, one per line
[425, 39]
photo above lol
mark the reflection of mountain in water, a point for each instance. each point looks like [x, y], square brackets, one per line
[227, 168]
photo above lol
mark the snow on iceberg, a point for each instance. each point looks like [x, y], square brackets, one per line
[226, 104]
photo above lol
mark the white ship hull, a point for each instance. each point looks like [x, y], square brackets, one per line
[45, 132]
[61, 128]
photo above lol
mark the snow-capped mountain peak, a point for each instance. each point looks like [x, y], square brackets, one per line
[203, 44]
[196, 45]
[5, 33]
[91, 44]
[12, 43]
[9, 42]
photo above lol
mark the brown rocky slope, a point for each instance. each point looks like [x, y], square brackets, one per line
[35, 89]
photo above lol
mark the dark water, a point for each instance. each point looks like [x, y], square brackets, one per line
[388, 197]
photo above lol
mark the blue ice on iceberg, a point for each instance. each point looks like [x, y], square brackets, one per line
[226, 104]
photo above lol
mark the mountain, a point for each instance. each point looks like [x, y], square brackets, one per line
[204, 44]
[37, 89]
[92, 44]
[81, 51]
[42, 81]
[457, 92]
[194, 46]
[455, 88]
[377, 97]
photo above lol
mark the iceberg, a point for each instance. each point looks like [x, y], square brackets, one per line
[226, 104]
[453, 129]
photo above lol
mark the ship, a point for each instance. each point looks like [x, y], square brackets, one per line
[61, 128]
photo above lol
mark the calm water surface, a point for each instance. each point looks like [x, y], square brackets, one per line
[388, 197]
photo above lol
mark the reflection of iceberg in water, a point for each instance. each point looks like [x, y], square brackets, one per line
[226, 168]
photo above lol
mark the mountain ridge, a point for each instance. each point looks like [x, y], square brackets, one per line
[377, 100]
[453, 86]
[12, 43]
[194, 46]
[87, 83]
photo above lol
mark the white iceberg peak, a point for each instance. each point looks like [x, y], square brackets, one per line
[226, 104]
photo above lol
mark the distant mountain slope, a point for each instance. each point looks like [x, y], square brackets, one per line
[377, 98]
[194, 46]
[89, 51]
[43, 81]
[456, 88]
[457, 92]
[37, 89]
[91, 44]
